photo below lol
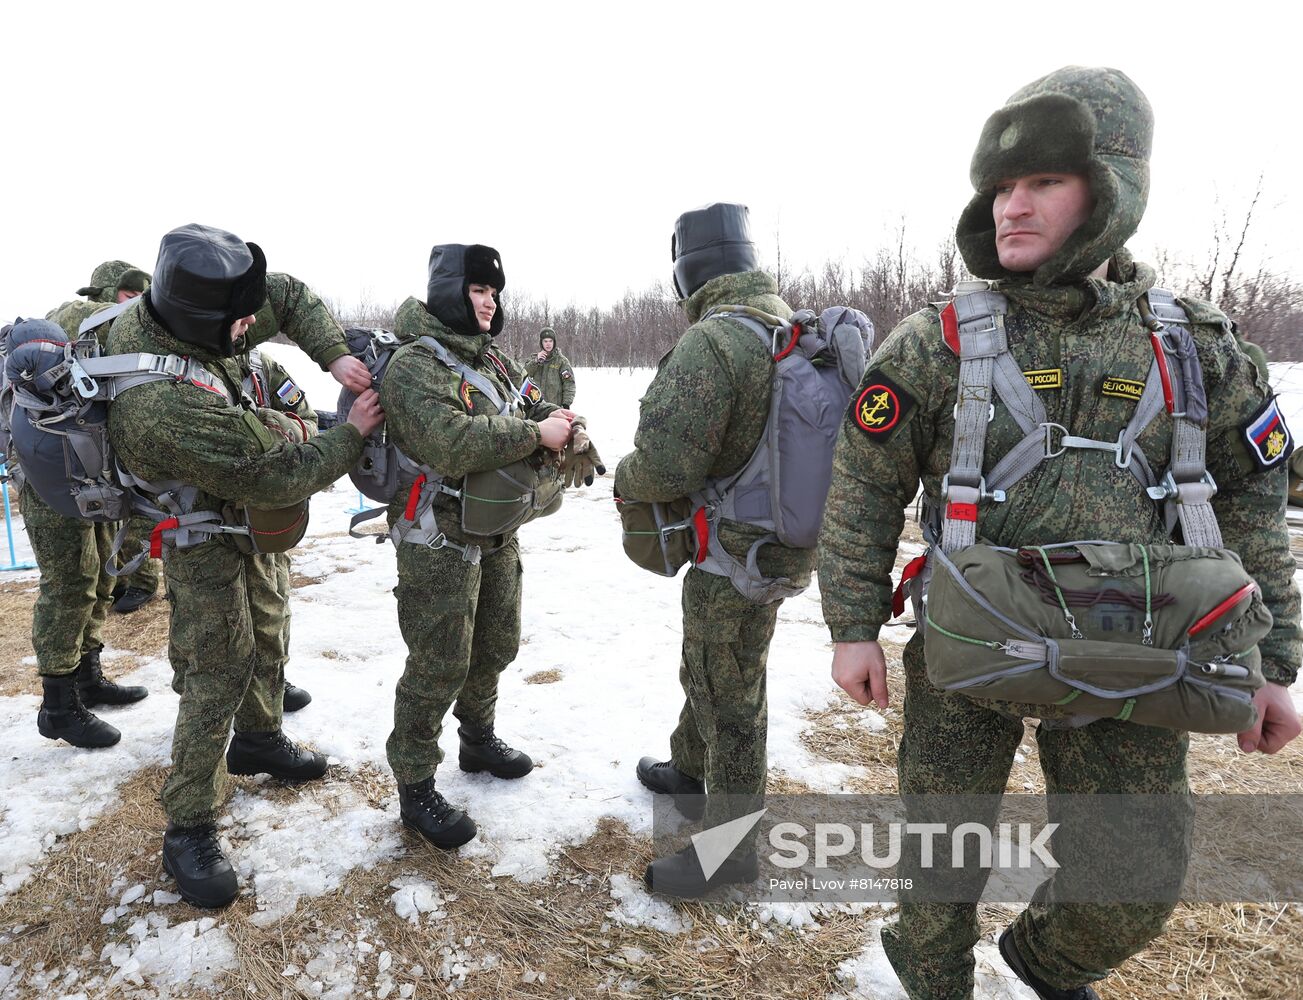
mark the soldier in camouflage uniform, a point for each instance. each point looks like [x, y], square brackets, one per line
[1062, 176]
[701, 419]
[114, 282]
[212, 298]
[75, 592]
[459, 602]
[552, 370]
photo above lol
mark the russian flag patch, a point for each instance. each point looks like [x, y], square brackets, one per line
[1270, 441]
[289, 394]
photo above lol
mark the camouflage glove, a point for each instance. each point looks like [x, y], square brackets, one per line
[580, 461]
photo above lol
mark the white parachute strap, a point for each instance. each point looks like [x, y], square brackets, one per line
[977, 313]
[1186, 489]
[170, 505]
[717, 496]
[98, 319]
[472, 378]
[973, 326]
[1050, 440]
[107, 378]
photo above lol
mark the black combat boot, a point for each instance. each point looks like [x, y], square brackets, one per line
[293, 698]
[482, 750]
[64, 717]
[1039, 986]
[427, 812]
[132, 599]
[193, 857]
[681, 875]
[273, 753]
[94, 689]
[663, 778]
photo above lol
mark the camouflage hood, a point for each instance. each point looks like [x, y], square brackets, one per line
[112, 277]
[1088, 120]
[754, 288]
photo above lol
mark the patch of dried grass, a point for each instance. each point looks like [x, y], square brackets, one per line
[62, 901]
[16, 600]
[544, 677]
[143, 632]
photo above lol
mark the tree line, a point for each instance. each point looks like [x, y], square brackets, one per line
[888, 285]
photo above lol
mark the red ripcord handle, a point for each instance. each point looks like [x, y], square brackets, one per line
[409, 512]
[1230, 602]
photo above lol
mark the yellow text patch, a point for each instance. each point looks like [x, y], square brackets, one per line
[1121, 388]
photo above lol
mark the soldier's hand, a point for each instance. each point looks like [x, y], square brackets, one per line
[351, 373]
[1278, 720]
[860, 670]
[554, 431]
[365, 414]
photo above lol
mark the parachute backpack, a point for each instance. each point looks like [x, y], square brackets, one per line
[783, 487]
[1163, 635]
[59, 421]
[493, 502]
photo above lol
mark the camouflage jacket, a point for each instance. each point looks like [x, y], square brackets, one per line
[1094, 354]
[167, 430]
[555, 377]
[705, 411]
[439, 420]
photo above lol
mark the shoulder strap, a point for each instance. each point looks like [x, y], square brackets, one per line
[1187, 489]
[98, 319]
[476, 379]
[109, 377]
[972, 324]
[778, 335]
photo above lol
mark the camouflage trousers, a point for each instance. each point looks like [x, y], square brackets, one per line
[461, 623]
[68, 618]
[146, 577]
[228, 643]
[724, 725]
[954, 746]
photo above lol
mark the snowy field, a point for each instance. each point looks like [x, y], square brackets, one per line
[609, 629]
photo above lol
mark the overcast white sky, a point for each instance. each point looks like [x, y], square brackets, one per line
[348, 138]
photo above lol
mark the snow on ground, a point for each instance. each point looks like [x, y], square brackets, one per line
[609, 629]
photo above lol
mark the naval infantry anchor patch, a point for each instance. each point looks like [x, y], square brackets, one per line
[1270, 441]
[881, 407]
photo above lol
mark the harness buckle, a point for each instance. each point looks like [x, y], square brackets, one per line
[1168, 487]
[174, 365]
[85, 385]
[982, 492]
[1049, 427]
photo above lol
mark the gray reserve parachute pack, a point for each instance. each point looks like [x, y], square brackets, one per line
[783, 487]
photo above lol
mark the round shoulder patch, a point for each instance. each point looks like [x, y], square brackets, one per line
[881, 407]
[877, 410]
